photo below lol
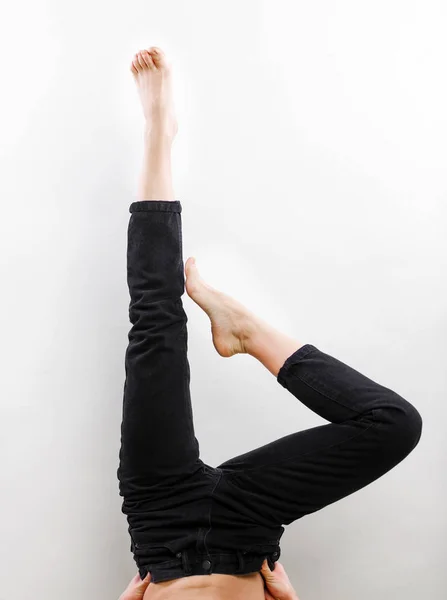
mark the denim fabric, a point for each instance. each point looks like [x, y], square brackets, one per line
[188, 518]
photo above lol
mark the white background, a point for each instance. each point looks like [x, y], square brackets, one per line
[310, 162]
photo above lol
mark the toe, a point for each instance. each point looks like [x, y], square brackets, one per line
[133, 67]
[191, 270]
[141, 62]
[190, 265]
[147, 59]
[136, 63]
[158, 57]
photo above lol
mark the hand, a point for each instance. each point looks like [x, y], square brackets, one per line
[277, 582]
[136, 588]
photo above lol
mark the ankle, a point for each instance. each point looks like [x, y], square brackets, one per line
[158, 139]
[160, 132]
[251, 334]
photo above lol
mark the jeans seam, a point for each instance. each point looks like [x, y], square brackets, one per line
[211, 508]
[264, 466]
[325, 394]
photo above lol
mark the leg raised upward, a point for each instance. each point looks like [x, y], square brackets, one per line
[153, 79]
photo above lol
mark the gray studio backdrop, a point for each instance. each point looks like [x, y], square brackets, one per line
[310, 162]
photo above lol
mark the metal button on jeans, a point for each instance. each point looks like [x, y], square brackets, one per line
[206, 565]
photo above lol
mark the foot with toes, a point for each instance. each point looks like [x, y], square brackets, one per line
[152, 76]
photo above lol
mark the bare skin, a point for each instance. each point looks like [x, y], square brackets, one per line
[277, 586]
[235, 330]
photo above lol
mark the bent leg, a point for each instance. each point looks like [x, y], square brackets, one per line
[372, 429]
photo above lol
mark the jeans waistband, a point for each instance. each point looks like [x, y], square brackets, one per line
[190, 562]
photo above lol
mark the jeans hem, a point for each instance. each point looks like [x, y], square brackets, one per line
[292, 359]
[156, 205]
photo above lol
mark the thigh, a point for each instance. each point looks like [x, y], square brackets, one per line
[372, 429]
[305, 471]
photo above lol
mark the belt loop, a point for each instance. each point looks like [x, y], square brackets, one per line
[185, 562]
[240, 559]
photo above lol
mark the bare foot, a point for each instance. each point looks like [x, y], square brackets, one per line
[232, 324]
[153, 78]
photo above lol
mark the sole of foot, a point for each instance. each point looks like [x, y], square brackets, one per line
[232, 324]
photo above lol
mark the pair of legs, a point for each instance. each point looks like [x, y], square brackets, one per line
[171, 498]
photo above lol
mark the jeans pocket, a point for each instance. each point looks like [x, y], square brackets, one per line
[154, 553]
[267, 549]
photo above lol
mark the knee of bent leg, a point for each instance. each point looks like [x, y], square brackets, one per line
[403, 425]
[412, 427]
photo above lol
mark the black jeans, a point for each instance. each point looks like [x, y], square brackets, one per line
[188, 518]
